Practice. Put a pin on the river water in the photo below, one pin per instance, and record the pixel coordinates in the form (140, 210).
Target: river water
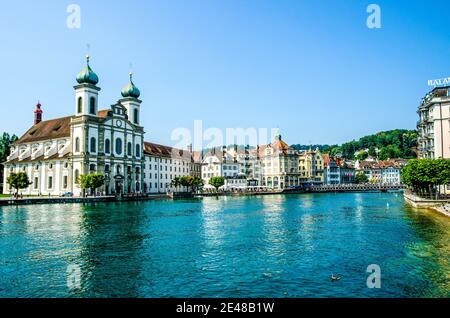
(264, 246)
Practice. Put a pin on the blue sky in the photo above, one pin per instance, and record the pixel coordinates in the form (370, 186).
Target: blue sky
(311, 68)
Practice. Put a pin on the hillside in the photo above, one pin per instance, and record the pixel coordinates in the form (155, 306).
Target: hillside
(398, 143)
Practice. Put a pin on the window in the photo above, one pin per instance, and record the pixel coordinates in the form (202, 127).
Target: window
(77, 175)
(77, 144)
(107, 168)
(119, 146)
(65, 182)
(36, 183)
(136, 116)
(107, 146)
(92, 105)
(92, 168)
(138, 151)
(50, 182)
(80, 105)
(93, 145)
(129, 150)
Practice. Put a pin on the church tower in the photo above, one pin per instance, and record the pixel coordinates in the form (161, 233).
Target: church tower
(131, 102)
(86, 92)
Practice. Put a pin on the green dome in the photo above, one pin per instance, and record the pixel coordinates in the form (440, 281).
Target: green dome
(131, 90)
(87, 76)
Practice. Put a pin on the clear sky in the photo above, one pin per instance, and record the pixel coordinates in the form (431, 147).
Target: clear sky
(311, 68)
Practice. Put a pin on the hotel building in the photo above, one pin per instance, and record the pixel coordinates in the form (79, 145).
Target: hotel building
(434, 124)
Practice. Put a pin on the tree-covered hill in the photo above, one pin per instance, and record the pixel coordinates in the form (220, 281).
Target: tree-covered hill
(398, 143)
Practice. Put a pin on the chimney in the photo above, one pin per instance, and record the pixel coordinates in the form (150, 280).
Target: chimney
(38, 114)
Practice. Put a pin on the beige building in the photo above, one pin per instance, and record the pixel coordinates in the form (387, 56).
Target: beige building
(311, 165)
(280, 165)
(434, 124)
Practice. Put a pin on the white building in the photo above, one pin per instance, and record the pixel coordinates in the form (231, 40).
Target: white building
(54, 153)
(434, 124)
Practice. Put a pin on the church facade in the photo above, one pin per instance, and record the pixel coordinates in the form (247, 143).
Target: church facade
(54, 153)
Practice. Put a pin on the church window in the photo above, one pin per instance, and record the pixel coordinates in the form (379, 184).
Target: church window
(138, 151)
(92, 105)
(119, 146)
(80, 105)
(93, 145)
(129, 150)
(136, 116)
(107, 146)
(77, 144)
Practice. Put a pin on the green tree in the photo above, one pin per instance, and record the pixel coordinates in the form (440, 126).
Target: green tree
(361, 178)
(90, 181)
(5, 145)
(217, 182)
(176, 182)
(197, 184)
(186, 181)
(362, 155)
(424, 175)
(18, 181)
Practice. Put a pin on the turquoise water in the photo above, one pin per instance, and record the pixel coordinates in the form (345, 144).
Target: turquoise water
(268, 246)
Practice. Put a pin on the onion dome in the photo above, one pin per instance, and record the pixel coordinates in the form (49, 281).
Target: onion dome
(131, 90)
(87, 76)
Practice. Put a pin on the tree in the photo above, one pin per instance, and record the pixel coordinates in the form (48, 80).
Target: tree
(91, 181)
(424, 175)
(176, 182)
(5, 145)
(197, 184)
(186, 181)
(217, 182)
(362, 155)
(361, 178)
(18, 181)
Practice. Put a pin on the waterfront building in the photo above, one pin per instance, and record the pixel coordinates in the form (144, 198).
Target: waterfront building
(382, 171)
(434, 124)
(311, 166)
(54, 153)
(347, 172)
(219, 163)
(332, 170)
(163, 164)
(279, 165)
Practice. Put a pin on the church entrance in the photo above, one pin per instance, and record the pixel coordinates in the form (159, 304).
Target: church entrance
(119, 184)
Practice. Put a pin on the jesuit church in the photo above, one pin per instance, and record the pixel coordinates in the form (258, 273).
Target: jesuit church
(54, 153)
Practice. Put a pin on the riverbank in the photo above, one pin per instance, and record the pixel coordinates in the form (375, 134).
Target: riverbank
(68, 200)
(440, 206)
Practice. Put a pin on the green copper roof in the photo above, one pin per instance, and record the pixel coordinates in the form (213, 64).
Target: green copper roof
(131, 90)
(87, 76)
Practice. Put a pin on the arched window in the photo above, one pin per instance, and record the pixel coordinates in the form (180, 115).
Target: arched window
(136, 116)
(119, 146)
(129, 150)
(80, 105)
(92, 105)
(93, 145)
(107, 146)
(138, 151)
(77, 144)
